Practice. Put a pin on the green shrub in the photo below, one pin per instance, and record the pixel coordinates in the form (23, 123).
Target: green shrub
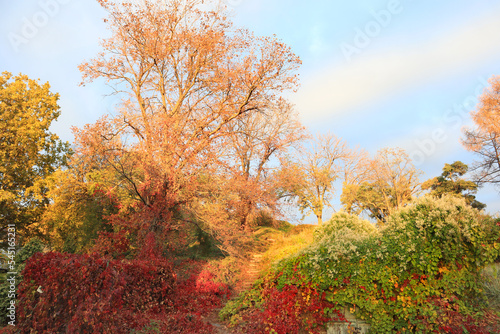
(263, 218)
(343, 224)
(419, 273)
(22, 255)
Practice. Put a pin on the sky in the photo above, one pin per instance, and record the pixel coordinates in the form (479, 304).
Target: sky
(391, 73)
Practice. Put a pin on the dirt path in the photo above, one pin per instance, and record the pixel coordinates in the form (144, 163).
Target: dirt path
(250, 274)
(213, 319)
(254, 267)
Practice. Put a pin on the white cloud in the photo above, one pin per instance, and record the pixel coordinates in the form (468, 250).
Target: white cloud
(373, 76)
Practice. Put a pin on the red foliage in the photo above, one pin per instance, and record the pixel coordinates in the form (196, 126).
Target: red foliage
(150, 248)
(454, 322)
(197, 290)
(114, 244)
(295, 308)
(82, 293)
(199, 294)
(193, 298)
(89, 294)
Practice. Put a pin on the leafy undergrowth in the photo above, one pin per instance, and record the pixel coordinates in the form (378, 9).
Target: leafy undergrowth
(255, 311)
(294, 309)
(197, 293)
(76, 293)
(420, 273)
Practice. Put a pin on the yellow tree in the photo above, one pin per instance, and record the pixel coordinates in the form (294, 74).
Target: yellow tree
(356, 172)
(484, 139)
(310, 177)
(388, 182)
(185, 75)
(79, 208)
(29, 152)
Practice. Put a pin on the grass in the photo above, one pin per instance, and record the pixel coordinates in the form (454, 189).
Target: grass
(491, 276)
(286, 244)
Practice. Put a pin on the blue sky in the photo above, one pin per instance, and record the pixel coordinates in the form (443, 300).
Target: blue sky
(376, 73)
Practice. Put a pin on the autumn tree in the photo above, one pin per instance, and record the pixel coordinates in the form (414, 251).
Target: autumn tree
(355, 169)
(390, 181)
(79, 210)
(451, 182)
(185, 75)
(29, 152)
(484, 138)
(311, 176)
(256, 142)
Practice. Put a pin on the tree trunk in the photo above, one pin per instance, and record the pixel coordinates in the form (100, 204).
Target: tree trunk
(320, 219)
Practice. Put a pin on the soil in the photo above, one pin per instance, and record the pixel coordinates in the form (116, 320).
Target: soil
(220, 327)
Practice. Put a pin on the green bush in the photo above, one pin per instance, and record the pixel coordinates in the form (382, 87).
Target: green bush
(419, 273)
(263, 218)
(22, 255)
(342, 224)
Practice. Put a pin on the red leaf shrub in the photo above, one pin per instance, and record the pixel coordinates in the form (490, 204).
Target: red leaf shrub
(94, 294)
(114, 244)
(295, 308)
(87, 293)
(199, 294)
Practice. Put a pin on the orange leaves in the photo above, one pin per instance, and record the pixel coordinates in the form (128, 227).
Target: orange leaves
(98, 142)
(487, 115)
(186, 77)
(443, 270)
(483, 139)
(189, 74)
